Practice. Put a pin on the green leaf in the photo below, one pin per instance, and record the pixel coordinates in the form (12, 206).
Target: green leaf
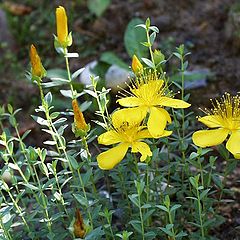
(66, 93)
(204, 193)
(168, 232)
(134, 199)
(136, 225)
(98, 7)
(133, 37)
(175, 207)
(148, 62)
(111, 58)
(83, 201)
(77, 73)
(162, 208)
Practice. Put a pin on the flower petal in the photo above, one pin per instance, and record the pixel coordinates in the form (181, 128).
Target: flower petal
(166, 133)
(143, 134)
(212, 121)
(171, 102)
(233, 143)
(109, 137)
(110, 158)
(129, 102)
(157, 121)
(132, 116)
(208, 138)
(143, 148)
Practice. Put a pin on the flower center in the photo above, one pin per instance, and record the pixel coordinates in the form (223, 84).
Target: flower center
(127, 131)
(228, 109)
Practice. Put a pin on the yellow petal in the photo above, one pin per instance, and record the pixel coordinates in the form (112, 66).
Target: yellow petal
(143, 134)
(109, 137)
(171, 102)
(233, 143)
(212, 121)
(110, 158)
(208, 138)
(157, 121)
(166, 133)
(129, 102)
(132, 116)
(143, 148)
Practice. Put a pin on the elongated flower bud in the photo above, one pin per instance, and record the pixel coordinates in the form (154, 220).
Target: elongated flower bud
(78, 226)
(62, 26)
(37, 67)
(79, 120)
(136, 65)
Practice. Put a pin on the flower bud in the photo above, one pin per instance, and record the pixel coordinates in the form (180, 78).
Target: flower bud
(78, 226)
(137, 67)
(37, 67)
(62, 27)
(79, 120)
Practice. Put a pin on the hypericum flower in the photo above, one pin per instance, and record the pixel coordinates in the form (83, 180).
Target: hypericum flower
(128, 132)
(79, 121)
(62, 27)
(148, 95)
(137, 67)
(37, 67)
(224, 118)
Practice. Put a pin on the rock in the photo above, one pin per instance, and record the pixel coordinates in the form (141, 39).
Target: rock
(196, 78)
(116, 76)
(84, 78)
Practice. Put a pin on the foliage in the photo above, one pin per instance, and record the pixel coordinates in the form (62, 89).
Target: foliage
(59, 191)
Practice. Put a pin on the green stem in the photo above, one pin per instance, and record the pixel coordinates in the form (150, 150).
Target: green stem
(5, 231)
(200, 213)
(141, 215)
(110, 226)
(86, 199)
(44, 204)
(19, 210)
(68, 72)
(171, 222)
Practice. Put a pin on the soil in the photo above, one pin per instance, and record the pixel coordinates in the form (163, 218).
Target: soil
(203, 26)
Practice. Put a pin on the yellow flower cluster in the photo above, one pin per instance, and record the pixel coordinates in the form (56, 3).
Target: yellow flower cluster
(145, 103)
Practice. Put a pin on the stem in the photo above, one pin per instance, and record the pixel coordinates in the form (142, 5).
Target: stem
(44, 204)
(110, 225)
(68, 72)
(140, 213)
(201, 171)
(171, 222)
(200, 213)
(85, 196)
(19, 210)
(6, 232)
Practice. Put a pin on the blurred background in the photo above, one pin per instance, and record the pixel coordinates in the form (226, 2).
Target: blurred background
(104, 37)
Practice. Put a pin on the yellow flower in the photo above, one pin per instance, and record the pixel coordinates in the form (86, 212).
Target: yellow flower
(79, 120)
(62, 27)
(137, 67)
(37, 67)
(147, 95)
(127, 131)
(224, 118)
